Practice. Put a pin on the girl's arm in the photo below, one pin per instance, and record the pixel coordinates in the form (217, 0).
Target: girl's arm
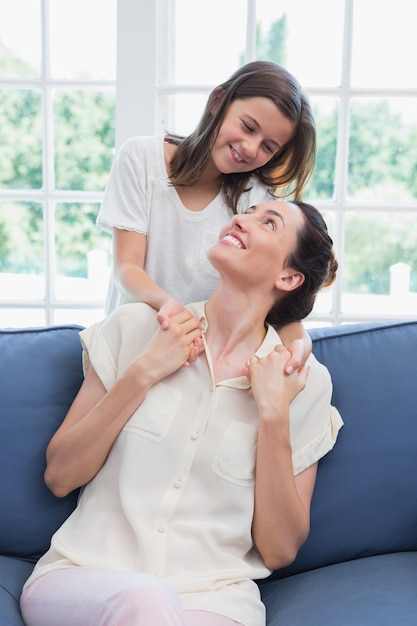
(281, 520)
(298, 343)
(129, 250)
(80, 446)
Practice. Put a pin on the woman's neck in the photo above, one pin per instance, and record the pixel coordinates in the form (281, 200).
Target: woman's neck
(236, 329)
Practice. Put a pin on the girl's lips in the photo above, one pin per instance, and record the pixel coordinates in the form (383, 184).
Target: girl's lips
(236, 156)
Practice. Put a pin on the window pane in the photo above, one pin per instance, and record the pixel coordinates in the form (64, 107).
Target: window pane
(20, 139)
(324, 297)
(20, 38)
(83, 317)
(326, 112)
(83, 39)
(210, 39)
(82, 253)
(384, 44)
(286, 35)
(18, 318)
(380, 263)
(383, 150)
(21, 251)
(184, 112)
(84, 138)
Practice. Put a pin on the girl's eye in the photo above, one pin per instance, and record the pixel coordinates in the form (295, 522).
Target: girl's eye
(268, 148)
(270, 223)
(247, 126)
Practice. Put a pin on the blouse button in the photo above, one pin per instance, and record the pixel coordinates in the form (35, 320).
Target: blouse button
(161, 529)
(194, 435)
(178, 483)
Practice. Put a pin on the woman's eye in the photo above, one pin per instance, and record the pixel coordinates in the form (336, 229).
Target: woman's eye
(270, 223)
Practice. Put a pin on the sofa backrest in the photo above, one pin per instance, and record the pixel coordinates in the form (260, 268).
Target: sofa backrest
(40, 374)
(365, 500)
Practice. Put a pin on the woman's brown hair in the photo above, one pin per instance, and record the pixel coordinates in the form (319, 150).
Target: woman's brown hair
(314, 257)
(288, 171)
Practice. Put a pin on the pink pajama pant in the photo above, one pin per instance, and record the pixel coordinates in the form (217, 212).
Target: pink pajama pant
(81, 597)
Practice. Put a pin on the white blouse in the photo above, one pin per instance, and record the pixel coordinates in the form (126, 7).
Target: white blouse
(176, 495)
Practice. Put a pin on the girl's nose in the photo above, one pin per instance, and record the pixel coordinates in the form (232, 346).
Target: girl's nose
(251, 146)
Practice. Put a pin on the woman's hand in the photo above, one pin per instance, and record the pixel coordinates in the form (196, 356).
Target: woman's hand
(271, 386)
(170, 308)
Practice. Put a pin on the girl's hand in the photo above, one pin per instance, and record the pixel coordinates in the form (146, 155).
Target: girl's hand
(272, 388)
(298, 342)
(299, 351)
(170, 308)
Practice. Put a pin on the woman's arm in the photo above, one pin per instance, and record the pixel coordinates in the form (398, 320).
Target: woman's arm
(298, 343)
(80, 446)
(281, 520)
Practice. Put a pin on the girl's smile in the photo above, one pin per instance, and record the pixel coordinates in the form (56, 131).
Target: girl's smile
(252, 132)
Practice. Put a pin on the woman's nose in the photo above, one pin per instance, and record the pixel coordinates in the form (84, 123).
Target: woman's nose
(239, 221)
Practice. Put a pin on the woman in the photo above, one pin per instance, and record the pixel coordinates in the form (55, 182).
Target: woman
(198, 480)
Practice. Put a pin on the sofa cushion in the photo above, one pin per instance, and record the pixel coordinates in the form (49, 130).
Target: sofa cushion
(40, 373)
(13, 574)
(376, 591)
(365, 501)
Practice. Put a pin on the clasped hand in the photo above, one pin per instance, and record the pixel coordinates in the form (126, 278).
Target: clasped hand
(167, 314)
(271, 387)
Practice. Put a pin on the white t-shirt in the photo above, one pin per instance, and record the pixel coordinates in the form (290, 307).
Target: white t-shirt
(175, 496)
(138, 197)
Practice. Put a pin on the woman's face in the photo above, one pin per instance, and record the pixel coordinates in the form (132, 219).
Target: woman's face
(255, 246)
(251, 133)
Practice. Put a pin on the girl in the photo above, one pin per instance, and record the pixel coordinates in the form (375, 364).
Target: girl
(197, 480)
(168, 197)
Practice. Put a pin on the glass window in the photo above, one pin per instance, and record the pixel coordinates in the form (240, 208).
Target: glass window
(59, 126)
(296, 34)
(383, 44)
(20, 39)
(380, 263)
(383, 150)
(82, 37)
(21, 138)
(57, 138)
(209, 40)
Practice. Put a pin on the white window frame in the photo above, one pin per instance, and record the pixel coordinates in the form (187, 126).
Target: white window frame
(145, 49)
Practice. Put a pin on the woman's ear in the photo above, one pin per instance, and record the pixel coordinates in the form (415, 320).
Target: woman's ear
(215, 99)
(290, 280)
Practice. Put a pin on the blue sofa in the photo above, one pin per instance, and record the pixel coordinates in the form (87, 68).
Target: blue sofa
(359, 564)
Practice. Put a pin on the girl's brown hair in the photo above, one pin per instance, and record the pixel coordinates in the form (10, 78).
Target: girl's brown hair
(288, 171)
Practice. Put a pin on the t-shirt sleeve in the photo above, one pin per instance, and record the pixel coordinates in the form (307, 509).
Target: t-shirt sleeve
(124, 203)
(314, 422)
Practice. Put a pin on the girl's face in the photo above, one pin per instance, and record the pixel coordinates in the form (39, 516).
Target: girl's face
(252, 132)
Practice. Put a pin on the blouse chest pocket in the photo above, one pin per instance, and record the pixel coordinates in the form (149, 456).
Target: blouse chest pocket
(154, 417)
(235, 457)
